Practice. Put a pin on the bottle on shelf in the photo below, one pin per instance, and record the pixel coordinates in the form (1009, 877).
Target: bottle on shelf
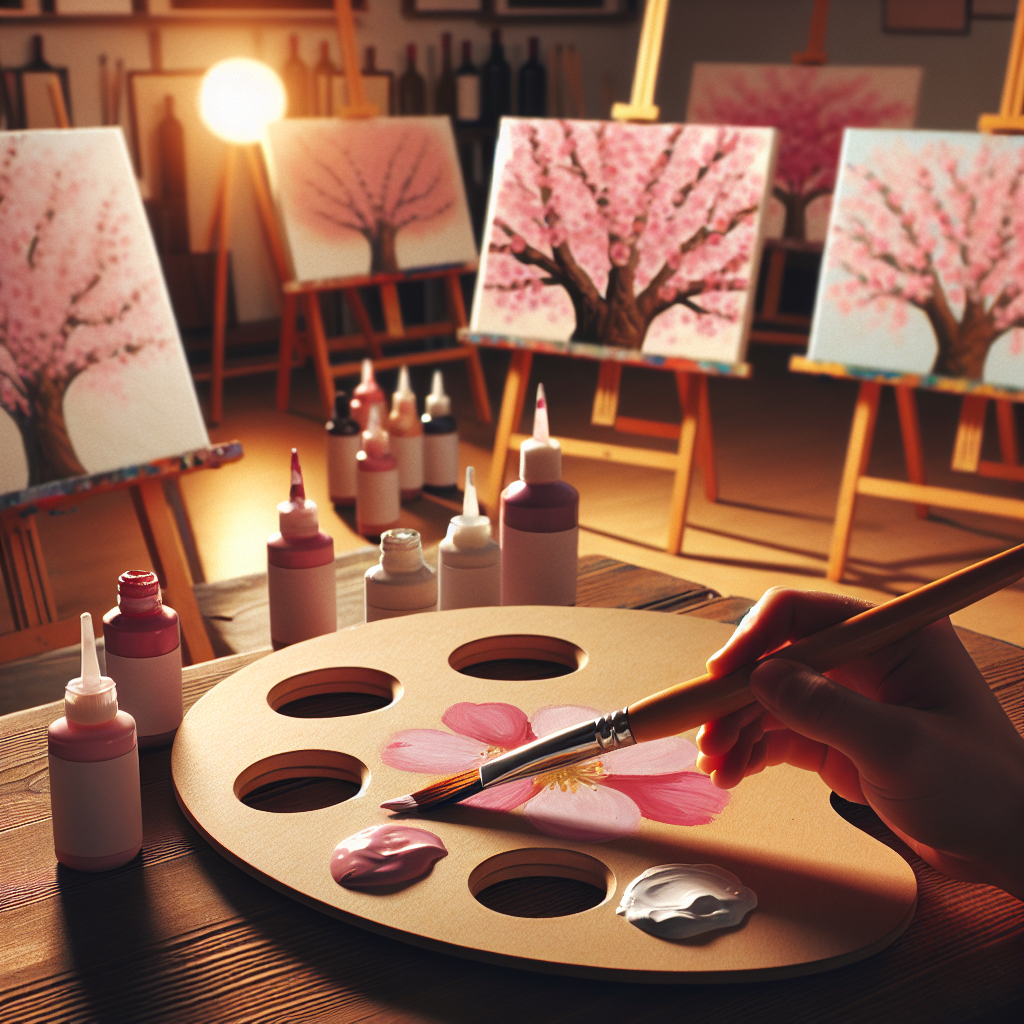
(444, 90)
(539, 523)
(468, 559)
(295, 76)
(95, 796)
(323, 82)
(495, 84)
(343, 443)
(412, 88)
(370, 68)
(467, 88)
(402, 583)
(143, 652)
(533, 84)
(367, 393)
(440, 441)
(406, 432)
(378, 501)
(300, 570)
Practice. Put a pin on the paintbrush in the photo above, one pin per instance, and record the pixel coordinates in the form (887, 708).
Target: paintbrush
(704, 699)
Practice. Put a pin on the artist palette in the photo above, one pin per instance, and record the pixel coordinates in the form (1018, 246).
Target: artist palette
(828, 894)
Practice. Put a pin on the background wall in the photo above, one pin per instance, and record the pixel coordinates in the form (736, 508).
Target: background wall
(963, 74)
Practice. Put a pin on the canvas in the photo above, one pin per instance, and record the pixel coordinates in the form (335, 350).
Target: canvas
(374, 196)
(641, 237)
(925, 256)
(92, 372)
(810, 106)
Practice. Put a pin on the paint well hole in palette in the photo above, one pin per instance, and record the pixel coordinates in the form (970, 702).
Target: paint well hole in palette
(334, 693)
(541, 883)
(301, 780)
(518, 657)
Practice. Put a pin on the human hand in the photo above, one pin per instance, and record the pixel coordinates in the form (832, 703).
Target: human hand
(913, 730)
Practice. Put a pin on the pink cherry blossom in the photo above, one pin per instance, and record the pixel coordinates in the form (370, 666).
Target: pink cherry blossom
(592, 802)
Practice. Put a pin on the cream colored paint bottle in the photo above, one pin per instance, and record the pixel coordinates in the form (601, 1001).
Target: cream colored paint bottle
(468, 559)
(402, 583)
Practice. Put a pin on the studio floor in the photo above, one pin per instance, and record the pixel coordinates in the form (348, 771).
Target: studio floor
(780, 440)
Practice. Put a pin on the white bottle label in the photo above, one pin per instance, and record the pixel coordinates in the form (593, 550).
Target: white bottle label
(538, 568)
(302, 603)
(149, 689)
(378, 501)
(468, 588)
(96, 805)
(441, 459)
(467, 97)
(341, 466)
(408, 452)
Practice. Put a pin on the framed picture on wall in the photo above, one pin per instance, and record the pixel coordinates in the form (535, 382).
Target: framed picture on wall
(1005, 9)
(414, 8)
(927, 16)
(562, 8)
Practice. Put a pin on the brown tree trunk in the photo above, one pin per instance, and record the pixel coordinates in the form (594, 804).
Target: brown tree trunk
(614, 320)
(962, 346)
(796, 214)
(382, 249)
(51, 455)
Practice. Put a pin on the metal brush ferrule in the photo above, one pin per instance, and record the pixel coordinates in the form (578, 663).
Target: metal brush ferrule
(568, 746)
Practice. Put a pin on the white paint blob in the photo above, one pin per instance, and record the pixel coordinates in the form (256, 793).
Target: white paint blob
(677, 901)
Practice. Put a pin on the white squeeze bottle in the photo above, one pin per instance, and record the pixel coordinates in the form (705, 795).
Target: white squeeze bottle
(539, 523)
(469, 560)
(402, 583)
(406, 432)
(440, 440)
(95, 798)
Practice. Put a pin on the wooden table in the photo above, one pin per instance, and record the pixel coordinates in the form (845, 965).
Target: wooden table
(182, 935)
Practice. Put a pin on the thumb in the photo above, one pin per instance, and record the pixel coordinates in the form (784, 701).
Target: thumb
(865, 730)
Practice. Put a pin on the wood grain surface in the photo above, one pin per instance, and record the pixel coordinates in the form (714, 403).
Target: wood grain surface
(181, 935)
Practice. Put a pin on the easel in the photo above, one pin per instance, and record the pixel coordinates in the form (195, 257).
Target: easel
(38, 627)
(316, 343)
(771, 325)
(970, 430)
(694, 433)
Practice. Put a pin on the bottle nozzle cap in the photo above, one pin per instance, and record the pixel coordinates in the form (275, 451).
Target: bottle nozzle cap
(470, 530)
(90, 698)
(438, 403)
(540, 456)
(366, 372)
(297, 517)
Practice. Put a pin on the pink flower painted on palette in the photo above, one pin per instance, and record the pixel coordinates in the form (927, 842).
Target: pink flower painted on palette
(592, 802)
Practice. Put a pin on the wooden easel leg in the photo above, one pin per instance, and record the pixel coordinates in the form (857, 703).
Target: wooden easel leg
(606, 394)
(362, 319)
(913, 451)
(689, 392)
(220, 294)
(1007, 422)
(394, 325)
(862, 433)
(168, 555)
(508, 419)
(706, 443)
(285, 350)
(24, 569)
(970, 433)
(321, 358)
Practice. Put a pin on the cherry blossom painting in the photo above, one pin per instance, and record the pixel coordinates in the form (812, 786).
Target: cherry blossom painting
(92, 372)
(636, 236)
(373, 196)
(810, 106)
(592, 802)
(924, 261)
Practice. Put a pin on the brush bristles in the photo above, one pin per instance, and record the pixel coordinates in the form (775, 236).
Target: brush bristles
(447, 791)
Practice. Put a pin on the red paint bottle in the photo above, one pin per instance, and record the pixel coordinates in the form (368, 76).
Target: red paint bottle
(367, 394)
(143, 650)
(300, 570)
(378, 491)
(539, 523)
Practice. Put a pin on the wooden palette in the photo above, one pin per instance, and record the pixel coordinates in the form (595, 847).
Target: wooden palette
(828, 894)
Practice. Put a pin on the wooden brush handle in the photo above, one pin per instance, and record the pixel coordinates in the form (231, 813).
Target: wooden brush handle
(704, 699)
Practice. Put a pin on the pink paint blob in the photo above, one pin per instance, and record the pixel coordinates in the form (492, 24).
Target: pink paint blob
(383, 856)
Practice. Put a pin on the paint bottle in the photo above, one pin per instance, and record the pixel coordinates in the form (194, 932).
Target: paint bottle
(469, 560)
(95, 798)
(378, 504)
(367, 394)
(539, 523)
(300, 570)
(143, 647)
(440, 441)
(406, 433)
(343, 444)
(402, 583)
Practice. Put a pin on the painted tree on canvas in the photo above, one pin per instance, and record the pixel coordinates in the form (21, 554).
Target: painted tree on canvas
(71, 297)
(628, 221)
(375, 179)
(811, 111)
(941, 231)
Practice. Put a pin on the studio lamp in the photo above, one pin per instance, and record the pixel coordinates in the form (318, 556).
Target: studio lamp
(238, 99)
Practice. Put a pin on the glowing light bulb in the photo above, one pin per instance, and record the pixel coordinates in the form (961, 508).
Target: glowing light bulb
(239, 98)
